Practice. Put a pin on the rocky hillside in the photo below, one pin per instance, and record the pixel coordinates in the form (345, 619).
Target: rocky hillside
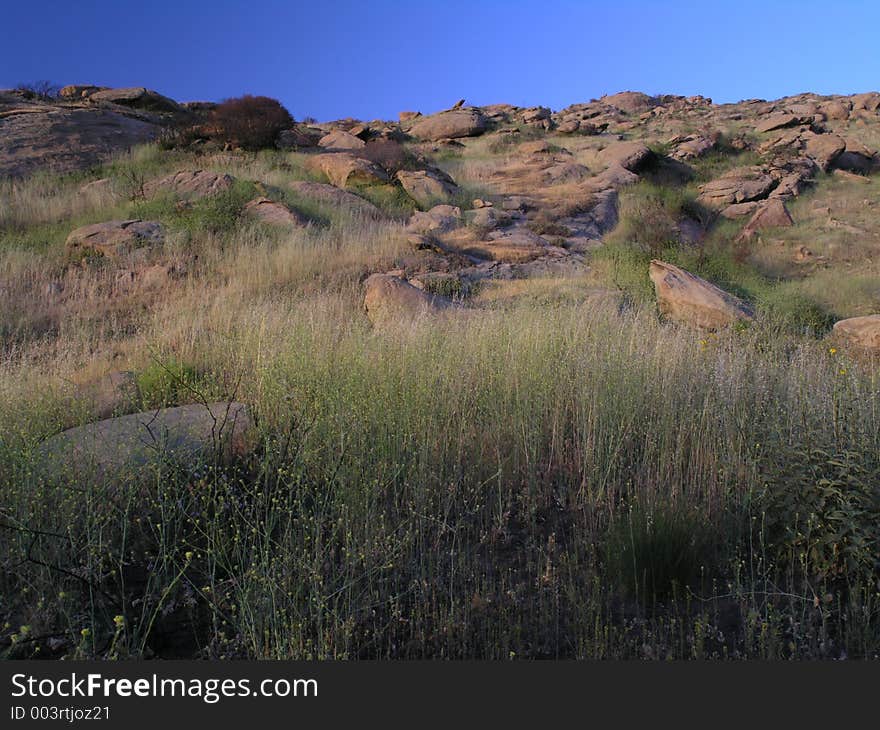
(486, 382)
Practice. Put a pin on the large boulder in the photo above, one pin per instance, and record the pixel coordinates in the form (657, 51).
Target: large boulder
(273, 213)
(119, 448)
(136, 97)
(824, 149)
(630, 102)
(389, 298)
(439, 219)
(343, 169)
(868, 102)
(630, 156)
(297, 137)
(427, 187)
(190, 183)
(114, 238)
(769, 214)
(330, 195)
(452, 124)
(863, 332)
(686, 298)
(836, 109)
(740, 185)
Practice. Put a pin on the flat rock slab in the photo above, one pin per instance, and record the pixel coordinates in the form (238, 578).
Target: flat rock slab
(119, 448)
(686, 298)
(65, 139)
(115, 238)
(325, 194)
(190, 183)
(137, 97)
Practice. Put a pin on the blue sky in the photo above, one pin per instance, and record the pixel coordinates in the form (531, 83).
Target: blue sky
(372, 58)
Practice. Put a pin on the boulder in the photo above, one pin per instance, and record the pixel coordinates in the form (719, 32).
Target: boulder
(136, 97)
(770, 214)
(341, 141)
(298, 137)
(408, 116)
(114, 238)
(686, 298)
(452, 124)
(120, 448)
(274, 214)
(778, 120)
(739, 185)
(343, 169)
(630, 156)
(739, 210)
(693, 146)
(190, 184)
(74, 92)
(863, 332)
(630, 102)
(330, 195)
(837, 109)
(439, 219)
(427, 187)
(869, 101)
(824, 149)
(389, 298)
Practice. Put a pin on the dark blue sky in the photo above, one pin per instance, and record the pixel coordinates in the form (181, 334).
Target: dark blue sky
(373, 58)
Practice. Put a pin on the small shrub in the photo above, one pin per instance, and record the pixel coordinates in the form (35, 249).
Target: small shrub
(390, 155)
(249, 122)
(39, 89)
(170, 383)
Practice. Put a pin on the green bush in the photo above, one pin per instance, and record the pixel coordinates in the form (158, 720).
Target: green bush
(170, 383)
(821, 512)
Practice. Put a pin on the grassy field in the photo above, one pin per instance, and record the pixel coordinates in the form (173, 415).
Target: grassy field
(562, 476)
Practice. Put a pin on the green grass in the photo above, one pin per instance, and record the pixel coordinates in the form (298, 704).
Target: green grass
(414, 499)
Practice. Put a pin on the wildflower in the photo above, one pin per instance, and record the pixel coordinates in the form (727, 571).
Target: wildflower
(85, 633)
(832, 350)
(188, 555)
(119, 621)
(843, 371)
